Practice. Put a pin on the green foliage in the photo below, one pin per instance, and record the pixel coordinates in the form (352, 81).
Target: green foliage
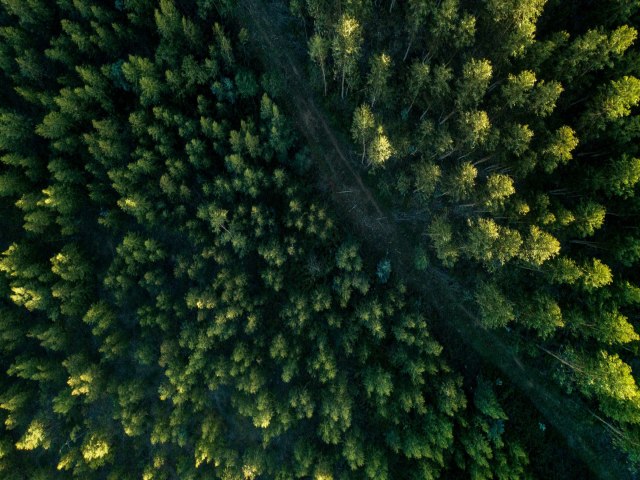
(441, 234)
(177, 303)
(462, 181)
(517, 90)
(499, 188)
(363, 127)
(378, 78)
(319, 53)
(542, 314)
(346, 47)
(427, 177)
(621, 177)
(560, 148)
(514, 126)
(383, 270)
(539, 246)
(609, 379)
(495, 309)
(380, 148)
(474, 82)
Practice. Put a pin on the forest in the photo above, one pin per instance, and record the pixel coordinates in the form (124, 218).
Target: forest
(319, 239)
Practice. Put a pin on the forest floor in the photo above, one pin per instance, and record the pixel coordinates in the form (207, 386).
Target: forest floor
(340, 177)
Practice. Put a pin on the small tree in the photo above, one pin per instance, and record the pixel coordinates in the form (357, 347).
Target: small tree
(427, 176)
(545, 96)
(613, 102)
(381, 149)
(346, 49)
(461, 182)
(363, 127)
(589, 217)
(507, 245)
(474, 128)
(417, 11)
(481, 236)
(516, 139)
(377, 81)
(514, 23)
(418, 80)
(495, 309)
(441, 234)
(517, 89)
(621, 178)
(559, 149)
(539, 246)
(473, 85)
(383, 270)
(499, 187)
(595, 274)
(319, 51)
(540, 313)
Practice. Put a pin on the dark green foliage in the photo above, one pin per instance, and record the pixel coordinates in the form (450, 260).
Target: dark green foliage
(174, 301)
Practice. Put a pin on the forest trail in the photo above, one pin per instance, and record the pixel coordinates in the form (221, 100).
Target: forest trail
(373, 224)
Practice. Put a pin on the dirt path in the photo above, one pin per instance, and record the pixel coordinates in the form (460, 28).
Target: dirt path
(268, 25)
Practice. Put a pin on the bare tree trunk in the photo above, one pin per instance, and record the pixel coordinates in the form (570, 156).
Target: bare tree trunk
(447, 117)
(324, 79)
(442, 157)
(494, 85)
(407, 51)
(342, 87)
(587, 244)
(482, 160)
(580, 100)
(561, 360)
(413, 101)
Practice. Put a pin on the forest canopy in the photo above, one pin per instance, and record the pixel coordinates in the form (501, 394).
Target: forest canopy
(513, 134)
(182, 296)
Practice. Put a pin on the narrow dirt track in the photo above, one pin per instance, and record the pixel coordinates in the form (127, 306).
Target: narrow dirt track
(375, 227)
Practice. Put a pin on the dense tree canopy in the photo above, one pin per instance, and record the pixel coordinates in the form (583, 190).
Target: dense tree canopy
(515, 135)
(177, 300)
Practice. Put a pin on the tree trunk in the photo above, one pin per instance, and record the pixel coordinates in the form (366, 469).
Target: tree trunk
(561, 360)
(324, 79)
(482, 160)
(407, 51)
(447, 117)
(342, 86)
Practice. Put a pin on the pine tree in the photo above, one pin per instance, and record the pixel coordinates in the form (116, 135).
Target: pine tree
(346, 47)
